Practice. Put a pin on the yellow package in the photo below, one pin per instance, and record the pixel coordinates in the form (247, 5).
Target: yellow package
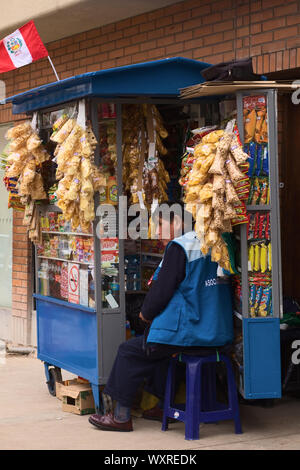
(251, 258)
(18, 130)
(40, 154)
(87, 186)
(86, 168)
(213, 137)
(206, 192)
(192, 193)
(204, 150)
(256, 258)
(71, 167)
(270, 257)
(19, 141)
(85, 146)
(73, 192)
(263, 258)
(33, 142)
(60, 136)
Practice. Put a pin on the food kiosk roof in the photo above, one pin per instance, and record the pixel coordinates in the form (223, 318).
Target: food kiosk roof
(160, 78)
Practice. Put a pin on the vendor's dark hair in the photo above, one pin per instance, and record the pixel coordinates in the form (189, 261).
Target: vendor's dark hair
(174, 208)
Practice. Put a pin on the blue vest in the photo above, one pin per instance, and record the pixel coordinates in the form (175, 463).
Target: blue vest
(200, 312)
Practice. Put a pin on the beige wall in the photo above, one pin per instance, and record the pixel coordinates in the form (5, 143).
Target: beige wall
(57, 19)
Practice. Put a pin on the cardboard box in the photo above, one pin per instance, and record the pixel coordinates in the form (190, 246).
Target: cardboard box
(76, 397)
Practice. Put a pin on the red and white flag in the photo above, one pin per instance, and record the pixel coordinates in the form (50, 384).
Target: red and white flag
(21, 48)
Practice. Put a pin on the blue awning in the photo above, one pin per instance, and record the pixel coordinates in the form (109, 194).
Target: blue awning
(160, 78)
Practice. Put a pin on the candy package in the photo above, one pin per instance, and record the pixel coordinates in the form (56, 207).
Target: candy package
(249, 125)
(60, 136)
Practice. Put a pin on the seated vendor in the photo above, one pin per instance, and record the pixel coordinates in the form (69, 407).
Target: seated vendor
(187, 307)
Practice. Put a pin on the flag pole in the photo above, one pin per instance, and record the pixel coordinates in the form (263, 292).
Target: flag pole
(51, 63)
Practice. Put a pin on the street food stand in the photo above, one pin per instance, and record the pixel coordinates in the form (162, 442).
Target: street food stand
(80, 330)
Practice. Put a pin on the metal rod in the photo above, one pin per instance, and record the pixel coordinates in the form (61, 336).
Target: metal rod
(53, 68)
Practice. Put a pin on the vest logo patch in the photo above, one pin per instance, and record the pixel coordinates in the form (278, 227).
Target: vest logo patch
(216, 281)
(210, 282)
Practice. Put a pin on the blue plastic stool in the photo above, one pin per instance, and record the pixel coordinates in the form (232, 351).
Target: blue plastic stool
(201, 400)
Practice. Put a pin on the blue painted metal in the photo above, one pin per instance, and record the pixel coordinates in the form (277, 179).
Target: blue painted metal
(262, 369)
(159, 78)
(67, 337)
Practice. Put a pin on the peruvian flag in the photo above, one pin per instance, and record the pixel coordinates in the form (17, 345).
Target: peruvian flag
(21, 48)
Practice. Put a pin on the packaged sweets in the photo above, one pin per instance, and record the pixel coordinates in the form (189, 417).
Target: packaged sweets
(265, 302)
(263, 258)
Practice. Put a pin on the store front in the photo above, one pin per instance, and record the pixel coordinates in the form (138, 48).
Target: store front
(89, 288)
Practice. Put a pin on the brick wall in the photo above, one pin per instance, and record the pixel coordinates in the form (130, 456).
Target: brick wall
(21, 280)
(210, 31)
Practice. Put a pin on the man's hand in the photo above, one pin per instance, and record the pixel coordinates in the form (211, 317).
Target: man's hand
(143, 319)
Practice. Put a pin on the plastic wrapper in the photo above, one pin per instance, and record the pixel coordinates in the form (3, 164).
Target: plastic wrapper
(229, 212)
(237, 152)
(60, 122)
(85, 146)
(60, 136)
(249, 125)
(73, 192)
(192, 193)
(224, 143)
(264, 130)
(204, 150)
(231, 195)
(218, 165)
(37, 188)
(213, 137)
(206, 192)
(260, 117)
(40, 154)
(33, 142)
(87, 187)
(18, 130)
(211, 237)
(218, 201)
(19, 141)
(218, 220)
(218, 183)
(72, 166)
(235, 173)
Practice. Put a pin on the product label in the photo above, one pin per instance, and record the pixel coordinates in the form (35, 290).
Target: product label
(113, 193)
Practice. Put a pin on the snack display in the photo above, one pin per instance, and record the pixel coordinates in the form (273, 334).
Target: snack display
(145, 178)
(77, 174)
(256, 146)
(216, 188)
(25, 155)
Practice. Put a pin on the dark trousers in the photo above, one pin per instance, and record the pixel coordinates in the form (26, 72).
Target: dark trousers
(134, 364)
